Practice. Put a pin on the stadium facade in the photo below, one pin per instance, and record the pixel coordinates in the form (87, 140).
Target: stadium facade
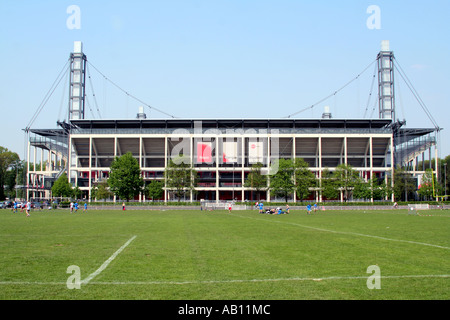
(222, 151)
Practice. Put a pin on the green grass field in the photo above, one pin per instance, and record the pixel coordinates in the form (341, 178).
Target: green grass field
(191, 255)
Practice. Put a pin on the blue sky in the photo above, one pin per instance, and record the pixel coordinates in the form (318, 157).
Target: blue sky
(222, 58)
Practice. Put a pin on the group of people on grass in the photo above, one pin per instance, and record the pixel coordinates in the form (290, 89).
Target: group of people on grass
(310, 208)
(278, 210)
(25, 206)
(74, 207)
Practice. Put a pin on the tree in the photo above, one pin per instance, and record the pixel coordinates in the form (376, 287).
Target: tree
(154, 189)
(446, 172)
(256, 180)
(281, 182)
(180, 177)
(304, 179)
(372, 189)
(17, 175)
(379, 189)
(125, 177)
(76, 192)
(362, 190)
(427, 185)
(387, 188)
(329, 185)
(346, 178)
(62, 187)
(7, 160)
(404, 184)
(101, 191)
(14, 176)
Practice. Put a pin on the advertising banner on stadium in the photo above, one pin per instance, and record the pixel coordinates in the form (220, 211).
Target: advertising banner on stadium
(230, 152)
(255, 151)
(204, 152)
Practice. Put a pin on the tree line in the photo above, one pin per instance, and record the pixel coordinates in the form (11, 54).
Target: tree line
(292, 176)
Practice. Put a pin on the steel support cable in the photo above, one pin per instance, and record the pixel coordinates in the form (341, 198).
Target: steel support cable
(89, 106)
(128, 94)
(371, 90)
(93, 93)
(48, 95)
(421, 103)
(398, 93)
(63, 95)
(334, 93)
(374, 106)
(415, 94)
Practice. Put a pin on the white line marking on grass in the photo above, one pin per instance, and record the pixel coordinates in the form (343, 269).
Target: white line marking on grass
(26, 283)
(261, 280)
(344, 232)
(226, 281)
(107, 262)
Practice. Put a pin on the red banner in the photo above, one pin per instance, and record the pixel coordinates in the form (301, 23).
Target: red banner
(204, 153)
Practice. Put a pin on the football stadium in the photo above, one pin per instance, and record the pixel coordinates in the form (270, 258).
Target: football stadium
(223, 151)
(152, 249)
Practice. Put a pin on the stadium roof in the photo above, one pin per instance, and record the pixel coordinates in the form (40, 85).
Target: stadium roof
(233, 123)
